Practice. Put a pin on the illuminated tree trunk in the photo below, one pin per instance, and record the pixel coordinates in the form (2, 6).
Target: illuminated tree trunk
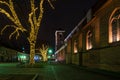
(32, 53)
(44, 57)
(32, 40)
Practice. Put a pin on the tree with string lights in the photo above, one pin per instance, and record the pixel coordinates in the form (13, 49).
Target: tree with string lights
(34, 19)
(43, 52)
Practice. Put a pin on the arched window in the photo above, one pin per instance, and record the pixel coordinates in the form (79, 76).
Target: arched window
(114, 26)
(75, 46)
(89, 40)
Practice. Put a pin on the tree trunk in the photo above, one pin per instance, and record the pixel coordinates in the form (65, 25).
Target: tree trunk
(32, 53)
(44, 57)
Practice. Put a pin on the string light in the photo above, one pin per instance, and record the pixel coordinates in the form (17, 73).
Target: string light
(43, 52)
(33, 21)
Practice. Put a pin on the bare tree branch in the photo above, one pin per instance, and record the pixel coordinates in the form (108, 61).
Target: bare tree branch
(14, 18)
(41, 13)
(12, 34)
(7, 14)
(16, 31)
(3, 2)
(30, 20)
(33, 9)
(51, 4)
(17, 21)
(7, 27)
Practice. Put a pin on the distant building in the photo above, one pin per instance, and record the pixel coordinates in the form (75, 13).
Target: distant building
(59, 39)
(59, 42)
(8, 55)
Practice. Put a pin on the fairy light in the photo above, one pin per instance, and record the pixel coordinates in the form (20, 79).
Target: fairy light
(13, 17)
(33, 21)
(43, 52)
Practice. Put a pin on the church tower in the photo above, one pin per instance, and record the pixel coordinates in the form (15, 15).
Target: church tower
(59, 39)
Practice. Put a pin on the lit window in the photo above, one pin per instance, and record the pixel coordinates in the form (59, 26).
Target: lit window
(89, 40)
(75, 47)
(114, 31)
(114, 27)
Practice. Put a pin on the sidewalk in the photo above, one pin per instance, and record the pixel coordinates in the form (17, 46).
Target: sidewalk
(73, 72)
(55, 72)
(98, 71)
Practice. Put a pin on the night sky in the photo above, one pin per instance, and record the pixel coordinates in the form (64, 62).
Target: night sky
(66, 16)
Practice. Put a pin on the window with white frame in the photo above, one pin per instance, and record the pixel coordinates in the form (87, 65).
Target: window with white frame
(89, 40)
(114, 26)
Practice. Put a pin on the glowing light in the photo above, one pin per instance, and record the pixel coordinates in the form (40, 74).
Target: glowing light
(34, 22)
(75, 51)
(89, 40)
(115, 17)
(22, 57)
(43, 52)
(49, 56)
(75, 47)
(36, 57)
(53, 55)
(56, 60)
(50, 51)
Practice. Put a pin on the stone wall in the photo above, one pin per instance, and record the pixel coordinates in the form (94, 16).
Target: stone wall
(103, 55)
(107, 58)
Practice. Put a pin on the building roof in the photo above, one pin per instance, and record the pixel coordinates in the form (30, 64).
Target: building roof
(83, 22)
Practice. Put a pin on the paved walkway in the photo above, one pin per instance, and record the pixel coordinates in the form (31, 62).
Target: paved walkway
(50, 72)
(63, 72)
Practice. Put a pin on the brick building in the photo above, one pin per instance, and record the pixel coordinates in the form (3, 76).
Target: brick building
(95, 41)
